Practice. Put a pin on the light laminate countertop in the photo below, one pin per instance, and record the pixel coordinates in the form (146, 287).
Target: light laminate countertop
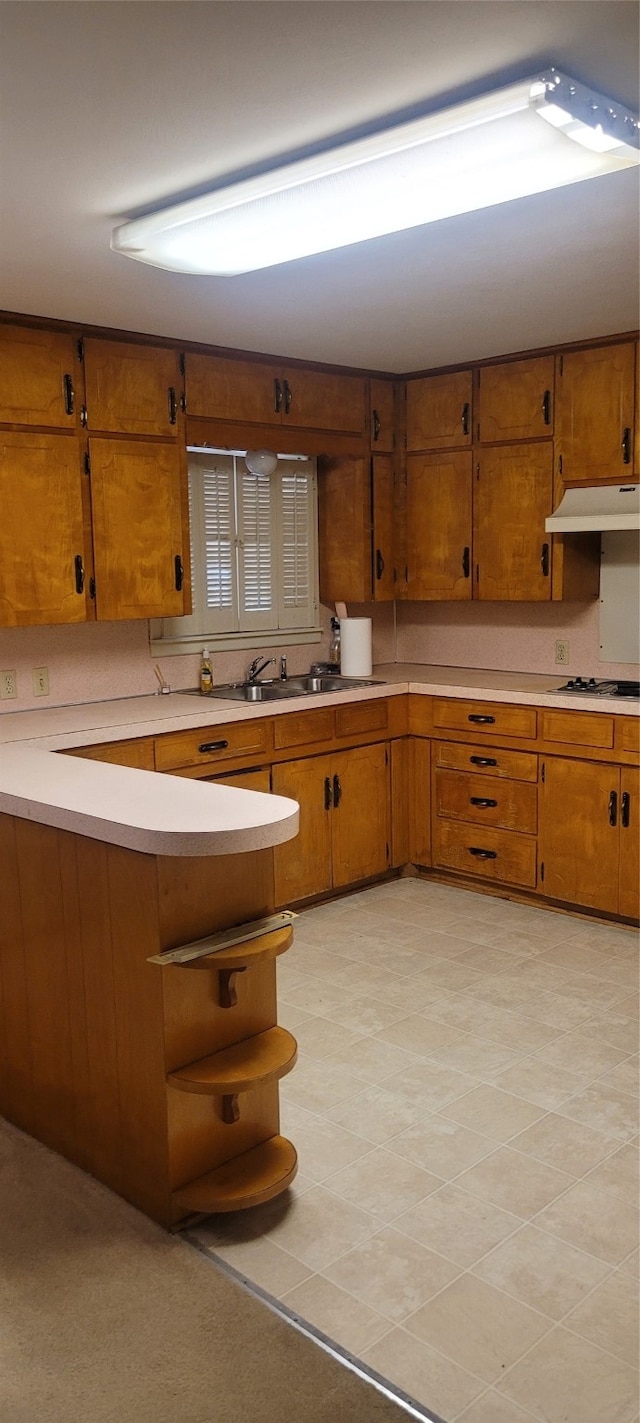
(157, 814)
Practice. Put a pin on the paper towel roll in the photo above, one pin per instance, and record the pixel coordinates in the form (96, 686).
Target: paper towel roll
(355, 647)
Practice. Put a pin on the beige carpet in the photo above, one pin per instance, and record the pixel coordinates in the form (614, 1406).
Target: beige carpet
(104, 1318)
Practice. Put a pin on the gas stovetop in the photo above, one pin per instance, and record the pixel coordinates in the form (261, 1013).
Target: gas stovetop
(590, 687)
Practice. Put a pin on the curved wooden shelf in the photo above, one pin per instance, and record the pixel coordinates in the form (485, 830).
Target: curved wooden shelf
(250, 1063)
(248, 1180)
(254, 951)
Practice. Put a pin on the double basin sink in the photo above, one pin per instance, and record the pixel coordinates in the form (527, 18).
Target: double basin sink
(290, 687)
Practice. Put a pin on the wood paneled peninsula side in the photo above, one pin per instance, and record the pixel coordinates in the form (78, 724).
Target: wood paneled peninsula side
(160, 1080)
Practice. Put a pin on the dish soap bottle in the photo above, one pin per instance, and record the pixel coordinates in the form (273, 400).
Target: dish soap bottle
(206, 672)
(334, 646)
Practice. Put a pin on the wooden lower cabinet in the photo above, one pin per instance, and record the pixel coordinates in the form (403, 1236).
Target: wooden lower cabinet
(589, 835)
(344, 832)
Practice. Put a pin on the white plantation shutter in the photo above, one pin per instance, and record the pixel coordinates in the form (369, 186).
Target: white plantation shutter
(254, 552)
(256, 495)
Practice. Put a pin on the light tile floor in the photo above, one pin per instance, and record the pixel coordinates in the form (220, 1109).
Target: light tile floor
(465, 1112)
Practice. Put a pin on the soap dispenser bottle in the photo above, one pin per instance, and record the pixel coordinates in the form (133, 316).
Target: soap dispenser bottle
(206, 673)
(334, 646)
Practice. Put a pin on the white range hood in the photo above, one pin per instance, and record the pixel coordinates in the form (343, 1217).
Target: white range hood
(596, 509)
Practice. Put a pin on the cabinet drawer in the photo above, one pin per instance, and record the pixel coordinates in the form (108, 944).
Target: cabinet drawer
(628, 734)
(487, 718)
(212, 744)
(486, 760)
(578, 728)
(484, 800)
(486, 853)
(303, 728)
(138, 754)
(360, 717)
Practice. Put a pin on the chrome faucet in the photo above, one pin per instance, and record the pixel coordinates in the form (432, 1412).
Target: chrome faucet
(257, 666)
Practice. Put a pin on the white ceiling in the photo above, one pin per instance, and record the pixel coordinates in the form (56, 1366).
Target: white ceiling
(111, 106)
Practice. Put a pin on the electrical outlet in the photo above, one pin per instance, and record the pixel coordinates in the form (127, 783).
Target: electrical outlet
(562, 652)
(8, 685)
(40, 678)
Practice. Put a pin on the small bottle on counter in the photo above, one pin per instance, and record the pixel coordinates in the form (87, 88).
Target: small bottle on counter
(334, 646)
(206, 672)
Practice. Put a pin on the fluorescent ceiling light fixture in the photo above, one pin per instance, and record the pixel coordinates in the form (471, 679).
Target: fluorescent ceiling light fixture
(472, 155)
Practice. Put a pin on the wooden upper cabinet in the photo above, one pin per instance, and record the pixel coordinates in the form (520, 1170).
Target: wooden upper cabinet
(40, 378)
(323, 401)
(43, 572)
(382, 416)
(439, 412)
(140, 529)
(383, 550)
(438, 526)
(595, 413)
(131, 390)
(356, 528)
(515, 400)
(262, 393)
(513, 492)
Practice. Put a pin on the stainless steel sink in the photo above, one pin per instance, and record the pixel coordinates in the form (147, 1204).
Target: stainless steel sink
(278, 690)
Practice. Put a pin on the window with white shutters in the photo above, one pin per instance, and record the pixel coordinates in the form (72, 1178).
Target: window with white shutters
(253, 553)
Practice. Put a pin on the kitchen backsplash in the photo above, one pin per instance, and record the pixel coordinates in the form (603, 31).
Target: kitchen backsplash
(97, 662)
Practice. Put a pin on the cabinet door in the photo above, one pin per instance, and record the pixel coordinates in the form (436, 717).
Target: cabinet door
(344, 529)
(140, 541)
(223, 389)
(382, 415)
(512, 497)
(42, 542)
(319, 400)
(629, 888)
(515, 400)
(131, 390)
(579, 832)
(439, 526)
(302, 866)
(594, 413)
(439, 412)
(382, 491)
(38, 380)
(360, 819)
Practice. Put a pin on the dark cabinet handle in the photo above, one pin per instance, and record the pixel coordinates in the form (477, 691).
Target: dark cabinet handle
(337, 791)
(481, 720)
(212, 746)
(287, 396)
(482, 854)
(79, 568)
(466, 561)
(178, 569)
(376, 425)
(613, 808)
(625, 810)
(173, 405)
(69, 394)
(277, 396)
(544, 560)
(379, 564)
(466, 418)
(328, 793)
(482, 761)
(626, 446)
(482, 802)
(546, 407)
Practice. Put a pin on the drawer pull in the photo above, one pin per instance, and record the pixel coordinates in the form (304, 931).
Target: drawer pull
(482, 854)
(482, 802)
(337, 791)
(625, 814)
(481, 720)
(613, 808)
(482, 761)
(212, 746)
